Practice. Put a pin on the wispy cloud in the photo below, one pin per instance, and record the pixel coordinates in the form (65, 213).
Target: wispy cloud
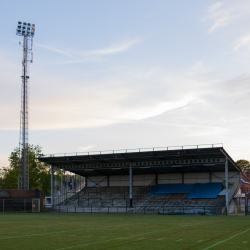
(89, 59)
(157, 110)
(53, 49)
(113, 49)
(85, 148)
(233, 17)
(243, 42)
(81, 56)
(222, 13)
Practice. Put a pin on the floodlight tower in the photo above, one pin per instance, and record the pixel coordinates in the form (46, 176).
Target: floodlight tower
(27, 31)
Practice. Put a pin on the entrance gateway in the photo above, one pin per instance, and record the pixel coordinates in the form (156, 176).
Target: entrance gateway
(141, 168)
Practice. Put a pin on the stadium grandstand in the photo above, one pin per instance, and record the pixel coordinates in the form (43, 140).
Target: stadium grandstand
(200, 179)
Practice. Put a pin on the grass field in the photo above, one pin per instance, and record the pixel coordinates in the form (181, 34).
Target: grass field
(80, 231)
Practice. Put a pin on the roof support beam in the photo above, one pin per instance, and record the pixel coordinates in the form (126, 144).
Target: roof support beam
(130, 185)
(226, 180)
(52, 186)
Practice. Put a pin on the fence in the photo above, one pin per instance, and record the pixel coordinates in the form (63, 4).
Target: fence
(234, 189)
(16, 205)
(247, 210)
(25, 205)
(237, 210)
(162, 210)
(65, 185)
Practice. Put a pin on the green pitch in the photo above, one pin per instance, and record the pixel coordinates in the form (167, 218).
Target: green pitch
(79, 231)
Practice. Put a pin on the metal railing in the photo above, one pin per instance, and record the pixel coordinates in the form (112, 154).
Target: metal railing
(161, 210)
(66, 195)
(234, 189)
(25, 206)
(143, 192)
(15, 205)
(135, 150)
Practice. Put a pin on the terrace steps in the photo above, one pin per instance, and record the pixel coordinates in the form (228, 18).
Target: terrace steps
(119, 196)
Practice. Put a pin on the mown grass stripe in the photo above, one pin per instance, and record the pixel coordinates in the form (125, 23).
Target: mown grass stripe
(226, 239)
(81, 229)
(214, 239)
(156, 236)
(104, 241)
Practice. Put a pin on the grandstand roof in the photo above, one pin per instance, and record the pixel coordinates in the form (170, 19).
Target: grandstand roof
(180, 160)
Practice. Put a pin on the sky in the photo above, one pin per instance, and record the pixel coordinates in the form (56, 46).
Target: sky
(128, 74)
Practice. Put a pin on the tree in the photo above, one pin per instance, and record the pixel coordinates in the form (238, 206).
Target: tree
(39, 173)
(243, 164)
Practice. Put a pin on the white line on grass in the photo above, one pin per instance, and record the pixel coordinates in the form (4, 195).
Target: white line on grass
(226, 239)
(40, 226)
(179, 240)
(123, 238)
(86, 229)
(27, 235)
(58, 233)
(55, 233)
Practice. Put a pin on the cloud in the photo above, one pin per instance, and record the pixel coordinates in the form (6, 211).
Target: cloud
(86, 60)
(196, 101)
(80, 56)
(222, 13)
(123, 96)
(117, 97)
(233, 16)
(54, 49)
(144, 113)
(113, 49)
(107, 98)
(85, 148)
(243, 43)
(219, 15)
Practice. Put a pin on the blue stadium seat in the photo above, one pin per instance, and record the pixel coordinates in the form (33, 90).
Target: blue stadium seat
(198, 190)
(206, 190)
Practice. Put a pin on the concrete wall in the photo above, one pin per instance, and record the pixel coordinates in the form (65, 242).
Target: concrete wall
(220, 176)
(145, 180)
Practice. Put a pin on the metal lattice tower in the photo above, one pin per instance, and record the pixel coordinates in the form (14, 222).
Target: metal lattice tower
(27, 31)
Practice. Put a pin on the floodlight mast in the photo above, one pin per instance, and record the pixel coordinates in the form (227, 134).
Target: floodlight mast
(27, 31)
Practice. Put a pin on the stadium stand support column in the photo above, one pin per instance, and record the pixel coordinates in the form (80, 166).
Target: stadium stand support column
(61, 191)
(226, 180)
(156, 179)
(52, 185)
(182, 178)
(240, 179)
(130, 185)
(107, 180)
(210, 177)
(86, 182)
